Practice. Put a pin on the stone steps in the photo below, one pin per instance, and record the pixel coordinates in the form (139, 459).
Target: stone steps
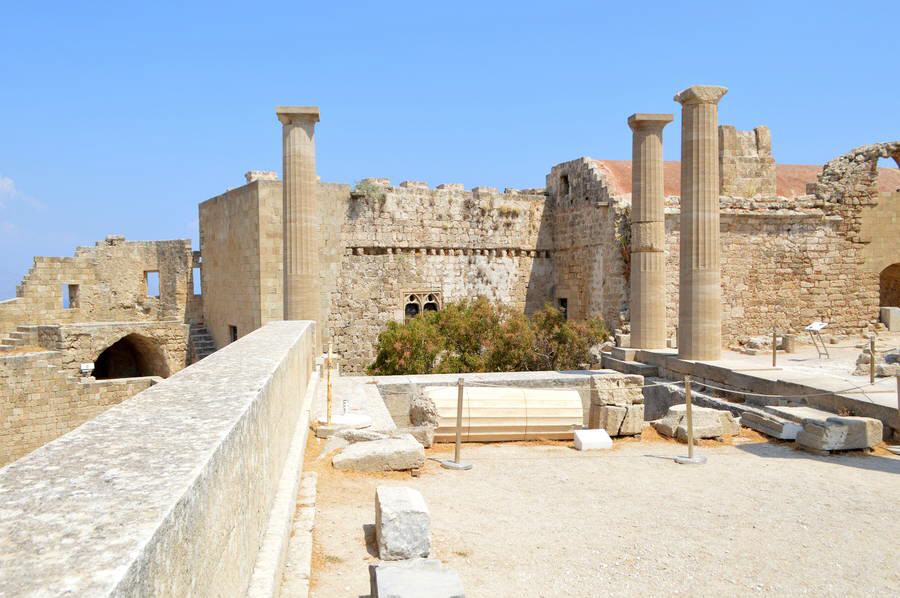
(628, 367)
(201, 342)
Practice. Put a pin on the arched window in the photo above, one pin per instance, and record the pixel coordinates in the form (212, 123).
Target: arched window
(416, 303)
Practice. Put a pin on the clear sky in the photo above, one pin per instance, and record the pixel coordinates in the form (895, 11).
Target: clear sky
(120, 117)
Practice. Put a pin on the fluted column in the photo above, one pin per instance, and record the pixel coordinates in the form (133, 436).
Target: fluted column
(648, 234)
(699, 284)
(301, 216)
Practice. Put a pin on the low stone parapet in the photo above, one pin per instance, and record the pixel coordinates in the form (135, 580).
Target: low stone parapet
(167, 493)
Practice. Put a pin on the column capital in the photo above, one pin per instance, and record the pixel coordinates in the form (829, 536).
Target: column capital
(293, 114)
(641, 120)
(701, 94)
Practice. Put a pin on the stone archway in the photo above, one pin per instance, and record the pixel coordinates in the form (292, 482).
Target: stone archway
(889, 285)
(131, 356)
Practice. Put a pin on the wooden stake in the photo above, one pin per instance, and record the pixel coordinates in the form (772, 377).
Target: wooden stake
(872, 360)
(690, 416)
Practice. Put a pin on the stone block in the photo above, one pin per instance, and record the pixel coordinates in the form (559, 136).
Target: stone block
(708, 423)
(416, 578)
(586, 440)
(424, 434)
(611, 418)
(621, 390)
(633, 423)
(840, 433)
(402, 523)
(389, 454)
(352, 435)
(771, 425)
(890, 316)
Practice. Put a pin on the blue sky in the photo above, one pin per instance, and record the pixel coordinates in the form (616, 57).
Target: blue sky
(121, 117)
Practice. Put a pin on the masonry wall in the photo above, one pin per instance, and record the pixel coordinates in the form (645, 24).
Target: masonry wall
(590, 241)
(111, 285)
(41, 401)
(784, 263)
(880, 231)
(186, 473)
(459, 244)
(230, 244)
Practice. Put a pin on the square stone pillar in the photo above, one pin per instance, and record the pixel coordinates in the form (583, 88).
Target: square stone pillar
(699, 281)
(648, 232)
(302, 299)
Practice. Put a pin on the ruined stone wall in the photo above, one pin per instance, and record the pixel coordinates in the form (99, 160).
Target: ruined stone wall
(40, 400)
(460, 244)
(746, 165)
(590, 242)
(880, 232)
(110, 279)
(785, 263)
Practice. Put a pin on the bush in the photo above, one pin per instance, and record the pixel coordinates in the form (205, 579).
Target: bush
(478, 336)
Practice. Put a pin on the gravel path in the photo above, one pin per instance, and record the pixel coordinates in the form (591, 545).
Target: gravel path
(545, 520)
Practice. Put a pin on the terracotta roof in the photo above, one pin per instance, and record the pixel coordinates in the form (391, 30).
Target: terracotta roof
(790, 179)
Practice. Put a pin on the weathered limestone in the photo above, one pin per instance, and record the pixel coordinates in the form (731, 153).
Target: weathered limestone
(402, 523)
(840, 434)
(648, 243)
(416, 578)
(771, 425)
(700, 292)
(890, 317)
(617, 404)
(301, 215)
(708, 423)
(389, 454)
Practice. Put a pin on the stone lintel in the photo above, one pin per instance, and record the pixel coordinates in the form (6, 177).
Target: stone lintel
(640, 120)
(701, 94)
(291, 114)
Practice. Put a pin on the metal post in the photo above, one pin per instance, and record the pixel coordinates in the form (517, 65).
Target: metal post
(774, 347)
(872, 360)
(456, 463)
(328, 374)
(689, 416)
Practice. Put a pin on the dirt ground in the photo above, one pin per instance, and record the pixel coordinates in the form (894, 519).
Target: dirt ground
(546, 520)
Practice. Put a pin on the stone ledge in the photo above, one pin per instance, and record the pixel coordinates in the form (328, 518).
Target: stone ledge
(181, 480)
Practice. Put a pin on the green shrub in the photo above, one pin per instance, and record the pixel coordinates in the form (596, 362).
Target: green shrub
(478, 336)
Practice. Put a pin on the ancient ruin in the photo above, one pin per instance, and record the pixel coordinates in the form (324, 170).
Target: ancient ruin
(170, 413)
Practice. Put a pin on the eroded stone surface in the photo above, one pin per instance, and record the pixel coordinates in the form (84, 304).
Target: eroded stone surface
(417, 578)
(402, 523)
(389, 454)
(708, 423)
(840, 433)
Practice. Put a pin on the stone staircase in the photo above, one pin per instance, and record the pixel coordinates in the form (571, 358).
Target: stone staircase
(22, 337)
(200, 343)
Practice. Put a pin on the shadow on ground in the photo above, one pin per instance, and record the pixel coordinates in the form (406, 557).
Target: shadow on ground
(858, 460)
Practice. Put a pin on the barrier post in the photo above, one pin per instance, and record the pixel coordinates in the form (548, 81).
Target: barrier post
(872, 360)
(328, 374)
(456, 463)
(774, 347)
(689, 417)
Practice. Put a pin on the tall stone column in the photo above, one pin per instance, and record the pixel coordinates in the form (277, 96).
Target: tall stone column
(699, 286)
(648, 234)
(302, 300)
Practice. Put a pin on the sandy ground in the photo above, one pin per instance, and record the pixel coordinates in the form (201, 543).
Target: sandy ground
(546, 520)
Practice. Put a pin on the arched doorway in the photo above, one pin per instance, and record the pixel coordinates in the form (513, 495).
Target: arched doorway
(889, 283)
(131, 356)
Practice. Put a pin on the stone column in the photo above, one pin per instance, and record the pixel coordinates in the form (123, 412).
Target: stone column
(302, 299)
(648, 234)
(699, 288)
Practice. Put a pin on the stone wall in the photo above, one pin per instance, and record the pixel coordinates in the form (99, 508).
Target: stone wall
(108, 282)
(785, 263)
(880, 232)
(590, 236)
(746, 165)
(456, 243)
(41, 401)
(186, 473)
